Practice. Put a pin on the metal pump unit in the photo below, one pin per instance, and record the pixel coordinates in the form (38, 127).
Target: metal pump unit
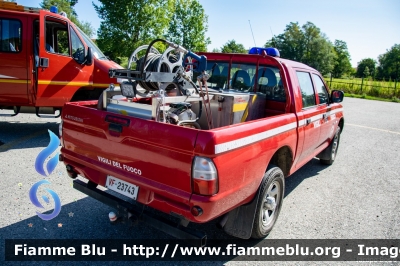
(164, 78)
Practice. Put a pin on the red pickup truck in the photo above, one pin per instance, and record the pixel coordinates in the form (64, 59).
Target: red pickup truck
(220, 151)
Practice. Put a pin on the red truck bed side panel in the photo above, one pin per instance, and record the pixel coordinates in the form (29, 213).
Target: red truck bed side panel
(164, 163)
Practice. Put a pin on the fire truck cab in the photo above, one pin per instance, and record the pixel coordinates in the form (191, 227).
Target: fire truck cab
(46, 60)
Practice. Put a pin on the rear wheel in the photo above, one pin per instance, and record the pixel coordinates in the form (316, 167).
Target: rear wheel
(269, 202)
(331, 150)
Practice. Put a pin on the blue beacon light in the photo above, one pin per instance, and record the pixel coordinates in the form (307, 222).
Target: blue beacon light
(269, 51)
(54, 9)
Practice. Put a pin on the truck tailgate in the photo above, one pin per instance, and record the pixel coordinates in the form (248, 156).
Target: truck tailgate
(140, 154)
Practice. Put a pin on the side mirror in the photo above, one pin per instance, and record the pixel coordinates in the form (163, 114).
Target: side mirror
(337, 96)
(89, 57)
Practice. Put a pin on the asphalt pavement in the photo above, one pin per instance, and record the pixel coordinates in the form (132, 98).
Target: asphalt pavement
(355, 198)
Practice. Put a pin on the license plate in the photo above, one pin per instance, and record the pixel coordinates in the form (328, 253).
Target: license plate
(122, 187)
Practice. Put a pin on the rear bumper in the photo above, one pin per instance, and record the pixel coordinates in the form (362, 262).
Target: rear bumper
(158, 196)
(128, 210)
(162, 197)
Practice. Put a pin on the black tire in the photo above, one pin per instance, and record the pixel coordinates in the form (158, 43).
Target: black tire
(332, 149)
(269, 202)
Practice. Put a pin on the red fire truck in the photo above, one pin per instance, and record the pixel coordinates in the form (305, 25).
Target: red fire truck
(46, 60)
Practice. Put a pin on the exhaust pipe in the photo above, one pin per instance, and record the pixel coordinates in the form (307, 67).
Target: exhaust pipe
(71, 172)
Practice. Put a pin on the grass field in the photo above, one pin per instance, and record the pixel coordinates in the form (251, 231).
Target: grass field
(367, 87)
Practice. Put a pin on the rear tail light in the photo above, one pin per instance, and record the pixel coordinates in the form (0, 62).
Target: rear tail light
(205, 176)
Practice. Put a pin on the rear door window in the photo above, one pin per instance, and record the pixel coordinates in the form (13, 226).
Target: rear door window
(306, 88)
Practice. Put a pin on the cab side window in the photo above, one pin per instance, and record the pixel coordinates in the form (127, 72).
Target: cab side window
(57, 40)
(321, 89)
(10, 35)
(307, 89)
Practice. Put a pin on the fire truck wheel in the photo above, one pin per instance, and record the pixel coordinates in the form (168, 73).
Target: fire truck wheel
(332, 149)
(269, 202)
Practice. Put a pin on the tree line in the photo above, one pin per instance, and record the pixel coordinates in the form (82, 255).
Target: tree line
(126, 25)
(386, 68)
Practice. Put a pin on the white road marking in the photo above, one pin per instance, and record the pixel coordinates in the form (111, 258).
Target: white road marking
(374, 128)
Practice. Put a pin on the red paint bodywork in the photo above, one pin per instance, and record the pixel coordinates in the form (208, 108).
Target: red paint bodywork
(53, 85)
(164, 153)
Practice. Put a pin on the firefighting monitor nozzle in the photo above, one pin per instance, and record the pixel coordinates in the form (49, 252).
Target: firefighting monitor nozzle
(201, 61)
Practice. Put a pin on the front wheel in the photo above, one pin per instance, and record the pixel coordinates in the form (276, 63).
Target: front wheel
(269, 202)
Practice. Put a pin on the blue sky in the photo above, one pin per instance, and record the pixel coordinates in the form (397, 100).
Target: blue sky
(369, 27)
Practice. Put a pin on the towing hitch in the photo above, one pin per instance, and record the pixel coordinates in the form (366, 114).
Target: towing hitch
(129, 210)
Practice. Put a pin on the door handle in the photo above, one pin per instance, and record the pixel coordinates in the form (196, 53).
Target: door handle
(308, 121)
(43, 62)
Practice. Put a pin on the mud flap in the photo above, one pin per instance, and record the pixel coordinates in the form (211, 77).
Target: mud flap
(325, 154)
(240, 220)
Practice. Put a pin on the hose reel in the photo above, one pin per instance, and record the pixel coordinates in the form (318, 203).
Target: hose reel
(167, 62)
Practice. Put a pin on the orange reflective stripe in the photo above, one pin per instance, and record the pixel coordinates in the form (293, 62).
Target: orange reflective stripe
(72, 83)
(19, 81)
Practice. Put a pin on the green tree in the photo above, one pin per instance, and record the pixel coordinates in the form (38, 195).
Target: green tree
(126, 25)
(342, 63)
(365, 63)
(366, 71)
(68, 7)
(306, 44)
(87, 28)
(389, 64)
(353, 72)
(233, 47)
(290, 43)
(188, 25)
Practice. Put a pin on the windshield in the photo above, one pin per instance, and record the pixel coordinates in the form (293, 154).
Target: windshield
(95, 50)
